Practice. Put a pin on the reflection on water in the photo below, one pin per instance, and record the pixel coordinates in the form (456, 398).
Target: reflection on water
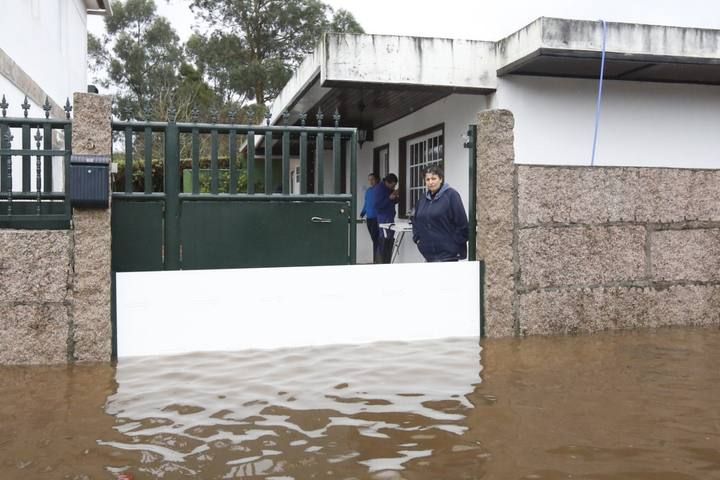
(297, 413)
(613, 406)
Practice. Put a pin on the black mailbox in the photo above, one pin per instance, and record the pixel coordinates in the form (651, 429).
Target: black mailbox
(89, 181)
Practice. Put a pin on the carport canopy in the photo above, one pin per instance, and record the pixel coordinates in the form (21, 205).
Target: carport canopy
(373, 80)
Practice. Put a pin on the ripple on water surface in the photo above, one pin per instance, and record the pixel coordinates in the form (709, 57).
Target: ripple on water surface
(346, 410)
(640, 405)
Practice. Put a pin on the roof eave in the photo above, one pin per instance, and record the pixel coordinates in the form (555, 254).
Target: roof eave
(558, 47)
(98, 7)
(362, 60)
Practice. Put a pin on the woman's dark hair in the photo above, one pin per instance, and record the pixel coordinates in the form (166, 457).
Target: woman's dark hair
(435, 170)
(390, 177)
(375, 176)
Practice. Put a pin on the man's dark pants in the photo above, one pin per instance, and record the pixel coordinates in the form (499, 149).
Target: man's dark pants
(387, 242)
(374, 230)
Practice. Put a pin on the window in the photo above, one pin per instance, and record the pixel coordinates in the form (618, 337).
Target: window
(421, 152)
(295, 180)
(381, 160)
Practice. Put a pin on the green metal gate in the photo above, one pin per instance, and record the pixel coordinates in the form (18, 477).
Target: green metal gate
(205, 196)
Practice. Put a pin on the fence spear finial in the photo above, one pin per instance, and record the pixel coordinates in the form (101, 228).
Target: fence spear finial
(286, 117)
(25, 106)
(319, 115)
(38, 138)
(214, 115)
(147, 110)
(336, 117)
(172, 113)
(4, 106)
(268, 116)
(67, 108)
(303, 119)
(128, 112)
(47, 107)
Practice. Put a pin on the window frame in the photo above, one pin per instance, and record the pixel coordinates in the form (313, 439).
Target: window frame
(377, 168)
(403, 163)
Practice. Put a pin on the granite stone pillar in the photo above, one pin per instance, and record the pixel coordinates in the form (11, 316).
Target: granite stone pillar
(496, 213)
(91, 329)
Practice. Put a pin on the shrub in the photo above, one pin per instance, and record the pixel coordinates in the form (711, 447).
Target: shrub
(158, 175)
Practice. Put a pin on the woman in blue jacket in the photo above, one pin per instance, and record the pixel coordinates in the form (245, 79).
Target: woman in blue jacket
(440, 224)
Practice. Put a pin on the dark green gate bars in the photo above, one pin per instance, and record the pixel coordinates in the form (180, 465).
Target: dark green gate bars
(471, 145)
(29, 197)
(209, 195)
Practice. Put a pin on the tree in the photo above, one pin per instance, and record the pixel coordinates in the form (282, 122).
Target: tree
(241, 62)
(97, 59)
(144, 60)
(344, 22)
(219, 58)
(254, 45)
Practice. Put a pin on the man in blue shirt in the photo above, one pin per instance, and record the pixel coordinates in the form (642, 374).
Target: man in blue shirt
(370, 212)
(386, 196)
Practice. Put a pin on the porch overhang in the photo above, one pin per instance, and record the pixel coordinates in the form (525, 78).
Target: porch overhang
(650, 53)
(373, 80)
(98, 7)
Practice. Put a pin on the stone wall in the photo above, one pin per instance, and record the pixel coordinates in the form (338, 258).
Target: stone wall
(35, 296)
(55, 284)
(583, 249)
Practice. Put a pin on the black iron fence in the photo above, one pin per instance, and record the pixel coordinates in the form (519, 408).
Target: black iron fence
(34, 169)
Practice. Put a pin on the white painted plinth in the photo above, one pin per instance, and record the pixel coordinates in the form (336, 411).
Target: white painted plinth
(225, 310)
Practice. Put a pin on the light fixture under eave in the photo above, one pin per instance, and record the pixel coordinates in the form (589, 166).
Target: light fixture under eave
(361, 136)
(364, 135)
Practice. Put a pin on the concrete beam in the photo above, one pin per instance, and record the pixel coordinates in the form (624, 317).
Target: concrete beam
(386, 60)
(302, 91)
(417, 61)
(98, 7)
(627, 41)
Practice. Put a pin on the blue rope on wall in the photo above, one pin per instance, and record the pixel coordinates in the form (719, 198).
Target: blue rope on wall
(600, 89)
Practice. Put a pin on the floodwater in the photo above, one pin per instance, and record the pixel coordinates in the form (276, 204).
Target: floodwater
(643, 405)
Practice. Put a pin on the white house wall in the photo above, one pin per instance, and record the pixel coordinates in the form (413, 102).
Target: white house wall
(457, 112)
(47, 39)
(641, 124)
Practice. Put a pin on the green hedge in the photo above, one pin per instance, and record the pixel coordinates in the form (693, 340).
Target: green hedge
(138, 175)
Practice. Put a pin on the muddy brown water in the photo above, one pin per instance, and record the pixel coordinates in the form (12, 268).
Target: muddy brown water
(642, 405)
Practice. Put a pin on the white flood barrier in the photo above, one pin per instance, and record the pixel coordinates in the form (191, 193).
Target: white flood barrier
(172, 312)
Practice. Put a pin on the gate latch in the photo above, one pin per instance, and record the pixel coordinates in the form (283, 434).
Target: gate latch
(320, 220)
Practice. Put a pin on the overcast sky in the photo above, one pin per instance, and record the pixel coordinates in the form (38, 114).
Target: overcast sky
(483, 19)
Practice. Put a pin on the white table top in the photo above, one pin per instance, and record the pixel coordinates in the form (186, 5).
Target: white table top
(400, 226)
